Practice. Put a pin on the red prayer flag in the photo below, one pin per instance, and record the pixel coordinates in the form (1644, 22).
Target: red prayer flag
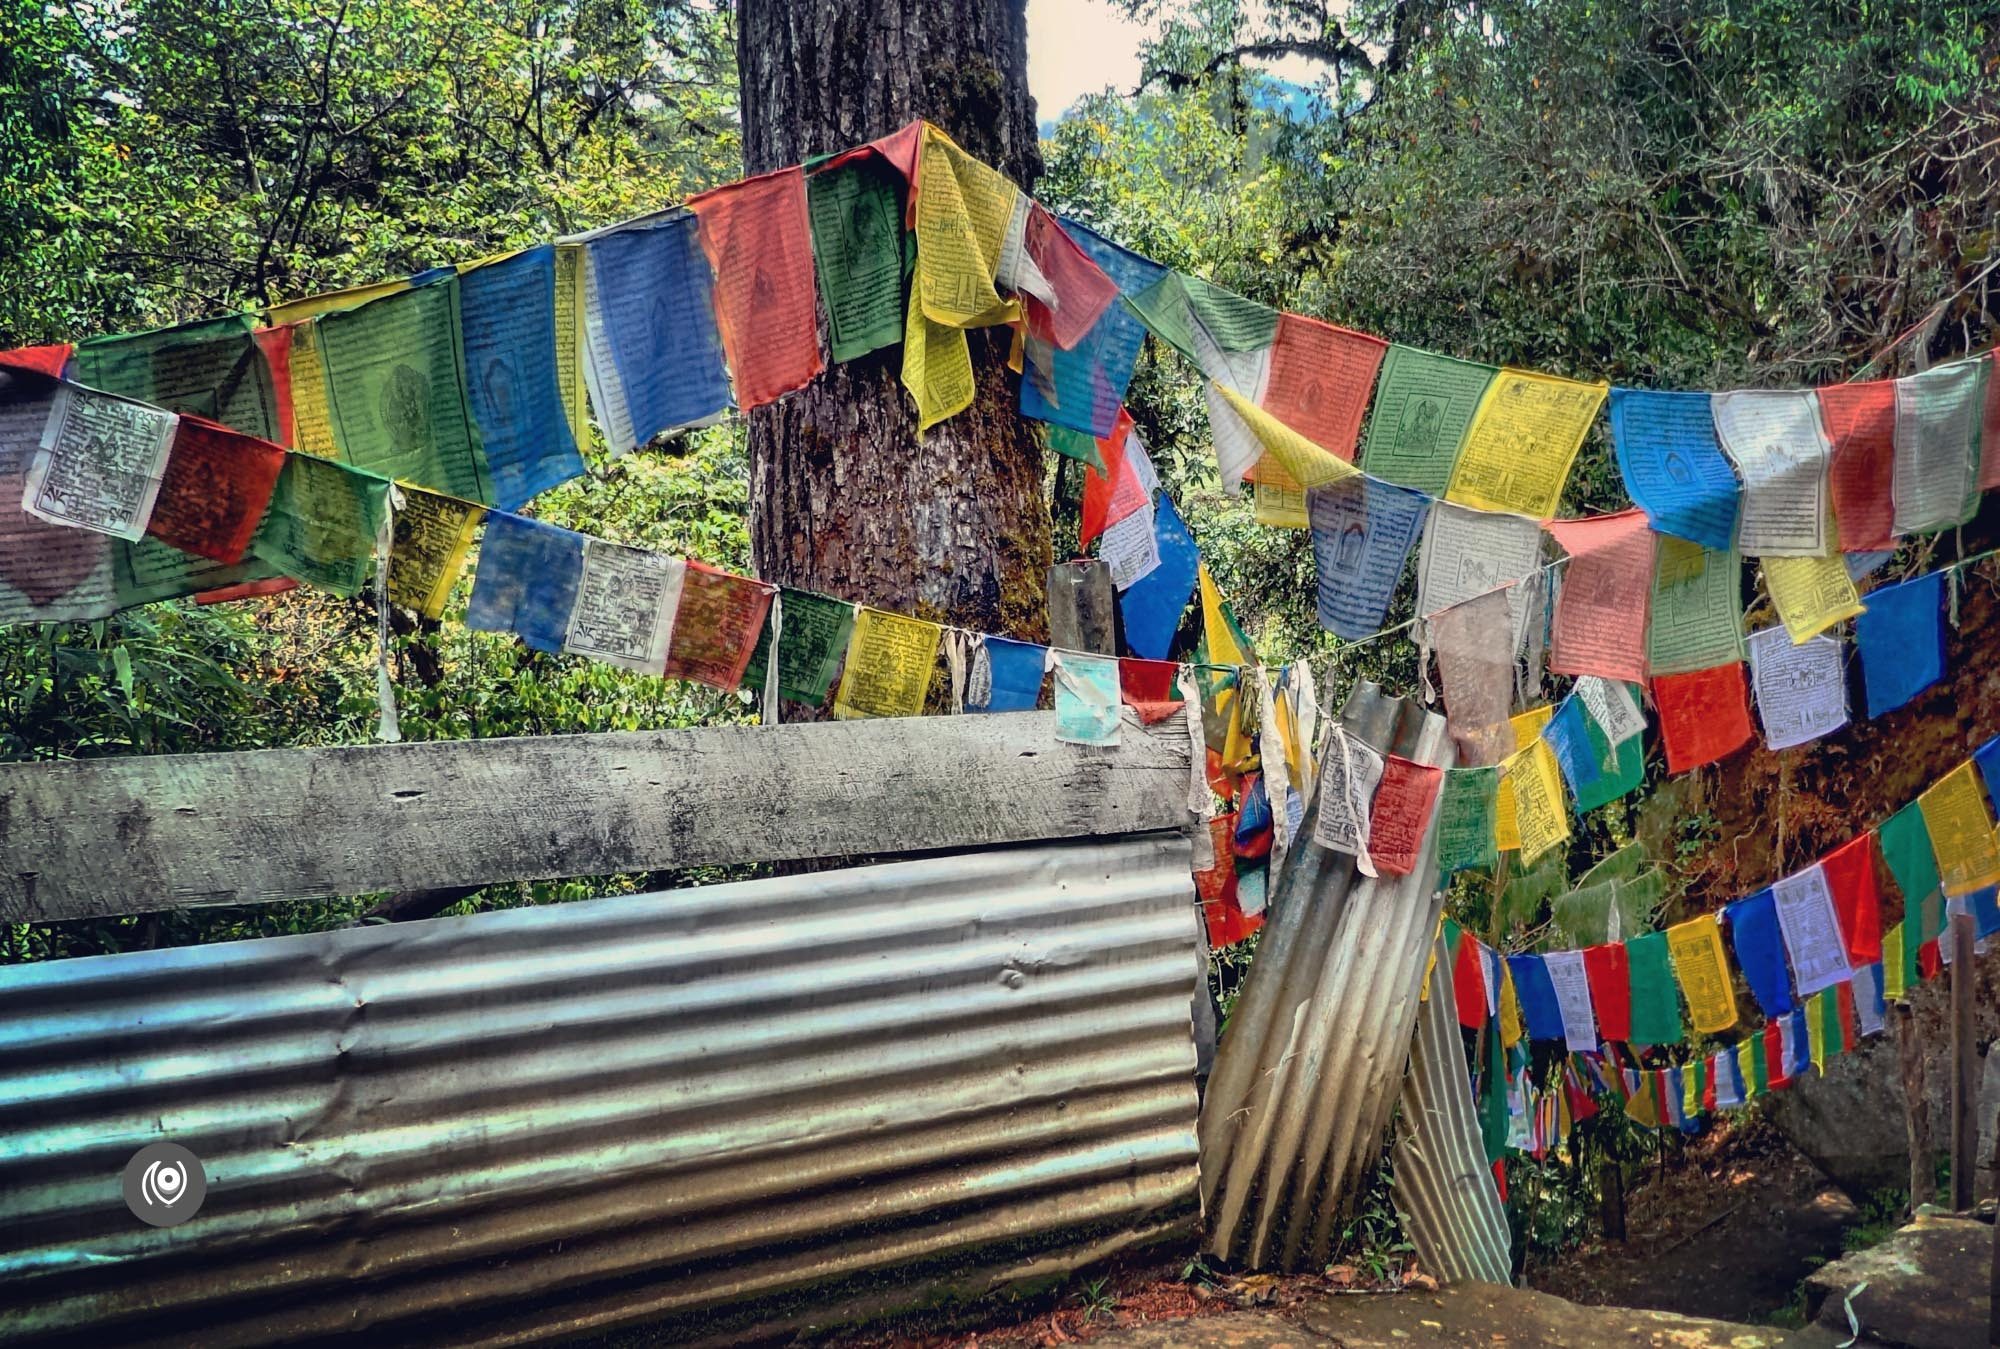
(1861, 424)
(214, 490)
(716, 627)
(1116, 493)
(1401, 815)
(1704, 716)
(758, 238)
(247, 590)
(1600, 623)
(1082, 290)
(1227, 923)
(48, 360)
(1989, 444)
(1321, 378)
(1581, 1104)
(1468, 983)
(1857, 897)
(1930, 959)
(1844, 1003)
(276, 344)
(1148, 687)
(1774, 1054)
(1609, 974)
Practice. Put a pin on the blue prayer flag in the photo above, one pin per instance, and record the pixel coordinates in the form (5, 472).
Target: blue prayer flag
(1800, 1043)
(1987, 756)
(1154, 603)
(1568, 734)
(652, 285)
(1901, 635)
(1091, 378)
(1017, 669)
(1673, 467)
(508, 315)
(1537, 993)
(527, 579)
(1760, 952)
(1984, 906)
(1362, 529)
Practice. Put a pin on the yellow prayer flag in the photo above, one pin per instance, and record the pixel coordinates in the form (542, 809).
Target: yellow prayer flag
(1529, 724)
(571, 343)
(1746, 1068)
(1894, 989)
(312, 306)
(1223, 648)
(1816, 1028)
(1703, 973)
(1534, 780)
(432, 536)
(963, 210)
(1811, 594)
(1961, 831)
(1510, 1009)
(312, 413)
(937, 367)
(1642, 1106)
(1301, 461)
(1690, 1092)
(889, 663)
(1279, 502)
(1506, 815)
(1522, 441)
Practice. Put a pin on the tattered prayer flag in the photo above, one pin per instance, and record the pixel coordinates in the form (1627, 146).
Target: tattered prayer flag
(1961, 831)
(1540, 813)
(1696, 946)
(1572, 989)
(322, 523)
(1537, 992)
(1086, 384)
(1860, 422)
(1610, 976)
(212, 368)
(1423, 405)
(214, 491)
(716, 626)
(1465, 820)
(1813, 945)
(655, 355)
(890, 660)
(1078, 291)
(1152, 605)
(1811, 594)
(1302, 461)
(1673, 468)
(433, 535)
(811, 642)
(1007, 676)
(1362, 530)
(526, 581)
(1522, 441)
(1760, 951)
(1148, 683)
(757, 233)
(1938, 420)
(1124, 488)
(1779, 446)
(1857, 897)
(1466, 553)
(856, 212)
(45, 360)
(1902, 639)
(1656, 1008)
(1216, 885)
(1400, 819)
(1704, 715)
(1086, 699)
(509, 320)
(1696, 617)
(1600, 620)
(1801, 687)
(1476, 667)
(1320, 380)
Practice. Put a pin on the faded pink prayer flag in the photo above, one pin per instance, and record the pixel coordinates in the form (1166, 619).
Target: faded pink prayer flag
(1600, 624)
(758, 238)
(1474, 642)
(1321, 377)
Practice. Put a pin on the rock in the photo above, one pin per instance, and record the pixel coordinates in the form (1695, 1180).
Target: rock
(1926, 1286)
(1850, 1123)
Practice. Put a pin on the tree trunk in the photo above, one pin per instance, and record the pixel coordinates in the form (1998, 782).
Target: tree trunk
(845, 499)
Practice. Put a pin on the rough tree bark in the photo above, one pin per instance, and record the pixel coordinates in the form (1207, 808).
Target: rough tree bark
(845, 499)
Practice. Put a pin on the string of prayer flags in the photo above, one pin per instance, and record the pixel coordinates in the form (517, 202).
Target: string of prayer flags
(1467, 553)
(1362, 531)
(1610, 976)
(1704, 715)
(716, 626)
(1813, 945)
(1811, 594)
(1320, 380)
(1938, 421)
(1535, 781)
(1860, 422)
(625, 606)
(655, 358)
(1696, 948)
(1572, 990)
(1902, 640)
(1465, 828)
(1007, 676)
(1857, 897)
(1755, 935)
(1086, 384)
(856, 213)
(1673, 466)
(1522, 441)
(526, 581)
(214, 490)
(1779, 446)
(1424, 404)
(890, 659)
(323, 523)
(1961, 832)
(1801, 687)
(1600, 619)
(211, 368)
(98, 463)
(433, 534)
(508, 320)
(1400, 818)
(1696, 613)
(1152, 605)
(757, 233)
(1087, 699)
(1540, 1007)
(1476, 668)
(811, 643)
(1656, 1007)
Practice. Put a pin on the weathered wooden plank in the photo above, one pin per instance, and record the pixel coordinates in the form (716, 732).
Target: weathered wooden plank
(110, 836)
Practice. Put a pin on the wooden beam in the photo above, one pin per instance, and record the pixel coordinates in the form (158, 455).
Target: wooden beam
(109, 836)
(1965, 1060)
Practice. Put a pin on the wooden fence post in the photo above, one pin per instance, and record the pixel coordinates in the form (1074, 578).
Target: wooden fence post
(1965, 1062)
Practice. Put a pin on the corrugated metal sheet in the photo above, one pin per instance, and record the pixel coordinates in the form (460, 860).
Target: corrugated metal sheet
(1444, 1188)
(770, 1104)
(1308, 1070)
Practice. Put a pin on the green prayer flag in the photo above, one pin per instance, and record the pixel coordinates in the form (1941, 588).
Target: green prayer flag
(148, 571)
(812, 641)
(1620, 768)
(395, 375)
(322, 523)
(1699, 1068)
(857, 242)
(1423, 405)
(1906, 847)
(1172, 307)
(1493, 1097)
(1466, 804)
(1696, 620)
(1656, 1001)
(1760, 1070)
(1078, 445)
(211, 368)
(1832, 1029)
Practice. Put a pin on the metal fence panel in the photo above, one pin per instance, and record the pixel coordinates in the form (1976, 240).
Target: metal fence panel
(776, 1103)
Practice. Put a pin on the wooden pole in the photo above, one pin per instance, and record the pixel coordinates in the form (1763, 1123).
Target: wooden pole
(1611, 1199)
(1965, 1062)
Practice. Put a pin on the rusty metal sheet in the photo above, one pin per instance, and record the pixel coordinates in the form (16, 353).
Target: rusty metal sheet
(754, 1106)
(1307, 1074)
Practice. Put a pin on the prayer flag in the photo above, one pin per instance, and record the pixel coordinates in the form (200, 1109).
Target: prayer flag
(1424, 404)
(812, 639)
(1087, 699)
(1614, 727)
(1987, 757)
(1362, 530)
(1572, 989)
(48, 572)
(1811, 594)
(1938, 420)
(1087, 383)
(1813, 945)
(1539, 811)
(1898, 962)
(1465, 820)
(1569, 738)
(1007, 676)
(626, 604)
(211, 368)
(1476, 667)
(1610, 976)
(1348, 779)
(1696, 616)
(215, 489)
(1801, 687)
(1860, 422)
(1600, 620)
(322, 523)
(856, 213)
(1125, 485)
(1299, 461)
(1696, 946)
(1906, 847)
(1779, 447)
(1537, 992)
(757, 233)
(1704, 715)
(1320, 380)
(1726, 1080)
(1522, 441)
(1857, 897)
(1143, 684)
(1673, 467)
(717, 626)
(432, 536)
(1871, 1010)
(526, 581)
(1222, 911)
(1511, 1028)
(48, 360)
(1468, 980)
(1961, 831)
(1901, 635)
(1467, 553)
(508, 314)
(1073, 292)
(937, 365)
(890, 660)
(1152, 605)
(1399, 821)
(1760, 952)
(1656, 1008)
(1198, 318)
